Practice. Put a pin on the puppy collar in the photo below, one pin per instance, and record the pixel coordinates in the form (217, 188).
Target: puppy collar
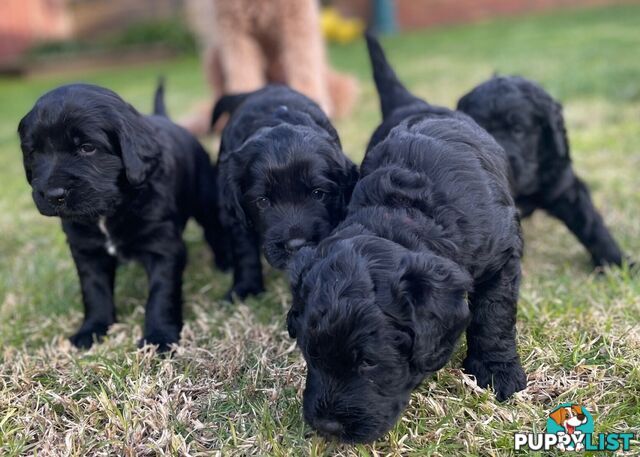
(109, 245)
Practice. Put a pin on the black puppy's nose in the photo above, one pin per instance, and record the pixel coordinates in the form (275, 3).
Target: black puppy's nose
(295, 244)
(55, 195)
(329, 427)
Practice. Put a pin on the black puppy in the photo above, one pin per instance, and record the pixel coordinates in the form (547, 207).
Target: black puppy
(124, 186)
(528, 124)
(284, 180)
(430, 246)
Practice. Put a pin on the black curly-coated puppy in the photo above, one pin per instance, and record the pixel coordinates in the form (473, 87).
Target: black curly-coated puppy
(430, 247)
(124, 186)
(529, 125)
(284, 180)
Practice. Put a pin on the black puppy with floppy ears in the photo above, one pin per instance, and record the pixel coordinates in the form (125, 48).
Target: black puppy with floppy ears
(430, 246)
(284, 180)
(124, 186)
(528, 124)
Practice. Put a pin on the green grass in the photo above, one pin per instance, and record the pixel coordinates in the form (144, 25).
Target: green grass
(235, 383)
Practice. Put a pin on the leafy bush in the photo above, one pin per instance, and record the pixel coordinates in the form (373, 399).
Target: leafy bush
(173, 34)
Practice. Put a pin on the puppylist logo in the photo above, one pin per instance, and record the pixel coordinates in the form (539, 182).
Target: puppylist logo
(570, 428)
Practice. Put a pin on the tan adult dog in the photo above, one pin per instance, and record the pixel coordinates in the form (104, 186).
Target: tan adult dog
(249, 43)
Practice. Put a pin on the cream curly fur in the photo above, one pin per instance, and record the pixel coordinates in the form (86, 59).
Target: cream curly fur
(249, 43)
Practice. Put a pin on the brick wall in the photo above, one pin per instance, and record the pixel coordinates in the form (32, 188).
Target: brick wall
(413, 14)
(95, 17)
(24, 22)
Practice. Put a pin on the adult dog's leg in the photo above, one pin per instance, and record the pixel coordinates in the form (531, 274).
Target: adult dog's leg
(242, 63)
(163, 312)
(303, 56)
(247, 269)
(575, 208)
(96, 270)
(491, 337)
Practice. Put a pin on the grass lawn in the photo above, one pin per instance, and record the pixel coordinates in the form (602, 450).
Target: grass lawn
(235, 383)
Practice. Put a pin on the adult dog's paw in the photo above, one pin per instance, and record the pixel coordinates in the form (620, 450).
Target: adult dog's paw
(161, 337)
(505, 378)
(242, 291)
(87, 334)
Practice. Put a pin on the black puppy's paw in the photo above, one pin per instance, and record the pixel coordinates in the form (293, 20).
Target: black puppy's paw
(87, 334)
(633, 265)
(506, 378)
(222, 261)
(162, 337)
(242, 291)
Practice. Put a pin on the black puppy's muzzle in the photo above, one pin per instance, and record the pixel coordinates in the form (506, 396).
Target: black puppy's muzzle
(292, 246)
(348, 427)
(296, 239)
(50, 200)
(350, 414)
(290, 233)
(55, 196)
(329, 428)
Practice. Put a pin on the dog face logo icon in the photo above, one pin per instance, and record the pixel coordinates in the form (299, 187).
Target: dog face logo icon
(570, 419)
(570, 428)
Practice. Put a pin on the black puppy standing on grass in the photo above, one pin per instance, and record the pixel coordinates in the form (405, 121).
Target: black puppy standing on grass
(430, 246)
(529, 125)
(284, 180)
(124, 186)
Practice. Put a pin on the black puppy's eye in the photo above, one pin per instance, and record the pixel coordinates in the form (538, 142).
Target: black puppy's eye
(517, 129)
(367, 364)
(318, 194)
(262, 202)
(86, 149)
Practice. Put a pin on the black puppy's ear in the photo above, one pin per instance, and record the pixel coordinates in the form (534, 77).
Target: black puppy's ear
(350, 179)
(432, 291)
(293, 321)
(554, 133)
(27, 167)
(427, 276)
(26, 152)
(299, 265)
(230, 191)
(347, 180)
(139, 148)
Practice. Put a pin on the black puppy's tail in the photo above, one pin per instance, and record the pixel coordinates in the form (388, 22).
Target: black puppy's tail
(159, 108)
(227, 104)
(391, 91)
